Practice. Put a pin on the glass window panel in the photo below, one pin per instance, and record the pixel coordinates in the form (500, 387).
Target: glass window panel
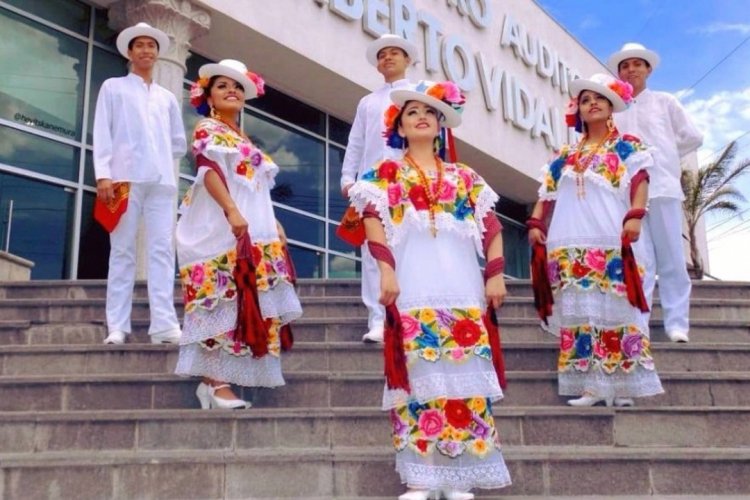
(43, 75)
(190, 118)
(45, 156)
(40, 223)
(102, 32)
(308, 263)
(337, 204)
(104, 65)
(194, 62)
(301, 179)
(291, 110)
(338, 130)
(69, 14)
(334, 243)
(89, 176)
(515, 250)
(341, 267)
(301, 228)
(182, 186)
(93, 252)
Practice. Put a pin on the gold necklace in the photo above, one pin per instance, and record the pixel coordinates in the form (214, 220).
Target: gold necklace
(581, 165)
(432, 196)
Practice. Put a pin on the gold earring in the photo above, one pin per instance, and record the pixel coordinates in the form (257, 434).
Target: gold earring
(213, 113)
(610, 124)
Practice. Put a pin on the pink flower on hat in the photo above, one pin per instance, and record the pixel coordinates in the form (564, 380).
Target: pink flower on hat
(260, 84)
(623, 89)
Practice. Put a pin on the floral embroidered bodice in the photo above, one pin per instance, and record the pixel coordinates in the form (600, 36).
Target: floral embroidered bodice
(608, 167)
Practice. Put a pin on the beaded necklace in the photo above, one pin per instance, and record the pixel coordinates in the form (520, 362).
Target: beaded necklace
(581, 165)
(231, 125)
(432, 196)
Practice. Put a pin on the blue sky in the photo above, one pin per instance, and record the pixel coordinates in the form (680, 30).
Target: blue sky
(691, 37)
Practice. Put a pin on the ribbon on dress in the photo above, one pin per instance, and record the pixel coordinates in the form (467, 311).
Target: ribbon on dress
(493, 331)
(632, 277)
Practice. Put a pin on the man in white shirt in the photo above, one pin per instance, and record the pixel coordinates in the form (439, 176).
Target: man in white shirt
(391, 55)
(661, 122)
(138, 133)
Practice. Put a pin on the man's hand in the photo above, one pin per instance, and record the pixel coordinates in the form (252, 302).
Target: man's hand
(104, 190)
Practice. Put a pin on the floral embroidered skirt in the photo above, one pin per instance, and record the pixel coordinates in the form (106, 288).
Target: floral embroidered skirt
(604, 341)
(207, 347)
(443, 431)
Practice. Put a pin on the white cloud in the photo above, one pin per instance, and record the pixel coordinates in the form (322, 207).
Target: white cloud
(723, 117)
(741, 28)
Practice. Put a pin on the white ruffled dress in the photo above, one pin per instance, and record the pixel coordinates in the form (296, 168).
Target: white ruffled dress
(206, 251)
(443, 431)
(604, 340)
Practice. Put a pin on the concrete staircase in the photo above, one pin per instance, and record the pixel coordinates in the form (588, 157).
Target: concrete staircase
(82, 420)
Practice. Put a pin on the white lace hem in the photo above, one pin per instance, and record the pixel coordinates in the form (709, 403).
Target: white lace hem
(440, 302)
(574, 308)
(431, 384)
(219, 365)
(462, 473)
(201, 324)
(639, 383)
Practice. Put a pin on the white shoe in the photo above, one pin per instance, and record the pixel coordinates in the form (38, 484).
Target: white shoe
(416, 495)
(590, 400)
(206, 394)
(678, 336)
(458, 495)
(375, 336)
(115, 337)
(624, 402)
(166, 337)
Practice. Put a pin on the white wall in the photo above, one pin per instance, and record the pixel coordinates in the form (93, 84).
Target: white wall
(313, 50)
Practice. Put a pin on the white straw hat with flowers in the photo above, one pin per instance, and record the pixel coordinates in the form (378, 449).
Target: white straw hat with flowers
(141, 29)
(619, 93)
(446, 97)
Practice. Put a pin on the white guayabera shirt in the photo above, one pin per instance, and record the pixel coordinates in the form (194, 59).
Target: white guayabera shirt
(660, 121)
(366, 142)
(138, 132)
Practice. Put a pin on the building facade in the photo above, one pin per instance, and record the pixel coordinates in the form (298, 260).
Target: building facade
(512, 60)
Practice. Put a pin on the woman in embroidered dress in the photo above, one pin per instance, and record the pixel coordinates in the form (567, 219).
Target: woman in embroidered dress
(229, 200)
(426, 221)
(599, 189)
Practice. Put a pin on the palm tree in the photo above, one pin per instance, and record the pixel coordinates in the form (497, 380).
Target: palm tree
(710, 189)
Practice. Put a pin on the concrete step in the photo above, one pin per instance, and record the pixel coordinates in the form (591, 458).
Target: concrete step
(335, 357)
(311, 287)
(83, 310)
(325, 390)
(363, 472)
(285, 428)
(343, 329)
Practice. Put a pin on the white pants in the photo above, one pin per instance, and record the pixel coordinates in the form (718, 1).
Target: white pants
(371, 289)
(156, 204)
(665, 257)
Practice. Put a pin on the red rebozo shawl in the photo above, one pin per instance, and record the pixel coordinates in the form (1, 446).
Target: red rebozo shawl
(250, 328)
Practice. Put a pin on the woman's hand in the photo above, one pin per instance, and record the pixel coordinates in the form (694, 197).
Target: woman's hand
(632, 229)
(282, 233)
(389, 290)
(494, 291)
(237, 222)
(536, 236)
